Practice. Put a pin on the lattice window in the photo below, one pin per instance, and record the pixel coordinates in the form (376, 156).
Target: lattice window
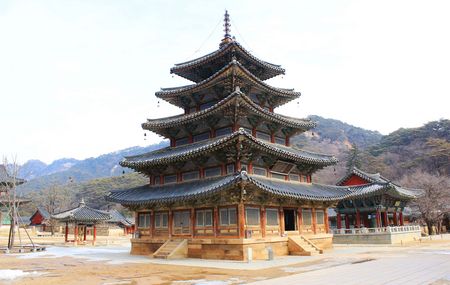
(263, 136)
(294, 177)
(252, 217)
(223, 131)
(204, 218)
(170, 179)
(307, 217)
(227, 216)
(259, 171)
(161, 220)
(182, 141)
(191, 175)
(280, 140)
(230, 168)
(143, 220)
(320, 217)
(213, 171)
(272, 218)
(201, 137)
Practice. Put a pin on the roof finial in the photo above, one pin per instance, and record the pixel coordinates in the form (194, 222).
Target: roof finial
(227, 37)
(227, 25)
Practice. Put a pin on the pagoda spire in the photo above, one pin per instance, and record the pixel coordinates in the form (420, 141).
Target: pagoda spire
(227, 37)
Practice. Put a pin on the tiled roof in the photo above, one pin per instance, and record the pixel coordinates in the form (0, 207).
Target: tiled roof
(270, 70)
(6, 179)
(117, 217)
(160, 194)
(185, 152)
(234, 64)
(82, 213)
(375, 180)
(370, 177)
(236, 96)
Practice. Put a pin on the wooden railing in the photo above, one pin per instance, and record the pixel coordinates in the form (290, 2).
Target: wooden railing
(355, 231)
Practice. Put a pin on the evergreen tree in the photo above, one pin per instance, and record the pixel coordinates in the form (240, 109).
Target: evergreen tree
(353, 157)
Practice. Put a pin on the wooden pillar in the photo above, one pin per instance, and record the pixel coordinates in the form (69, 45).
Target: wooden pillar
(94, 234)
(84, 234)
(395, 218)
(281, 221)
(358, 219)
(263, 221)
(66, 233)
(170, 221)
(314, 220)
(192, 222)
(216, 221)
(338, 221)
(75, 233)
(300, 220)
(400, 216)
(152, 223)
(241, 217)
(378, 218)
(385, 218)
(325, 216)
(347, 222)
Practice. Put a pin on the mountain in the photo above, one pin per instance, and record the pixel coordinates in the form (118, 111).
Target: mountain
(70, 171)
(426, 148)
(35, 168)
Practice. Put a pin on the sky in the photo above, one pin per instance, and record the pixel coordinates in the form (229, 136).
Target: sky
(77, 78)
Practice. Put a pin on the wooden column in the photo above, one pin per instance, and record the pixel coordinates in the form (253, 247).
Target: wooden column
(299, 220)
(281, 221)
(241, 217)
(314, 220)
(216, 221)
(66, 233)
(94, 235)
(192, 222)
(347, 222)
(378, 218)
(338, 221)
(152, 223)
(170, 223)
(263, 221)
(75, 233)
(400, 216)
(325, 216)
(85, 232)
(358, 219)
(395, 218)
(385, 218)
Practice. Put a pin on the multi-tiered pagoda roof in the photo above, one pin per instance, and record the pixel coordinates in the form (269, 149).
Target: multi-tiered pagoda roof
(229, 124)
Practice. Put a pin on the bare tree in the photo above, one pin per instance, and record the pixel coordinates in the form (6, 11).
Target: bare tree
(9, 198)
(54, 200)
(433, 205)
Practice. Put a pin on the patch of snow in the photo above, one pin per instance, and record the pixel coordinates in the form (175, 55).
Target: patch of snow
(11, 274)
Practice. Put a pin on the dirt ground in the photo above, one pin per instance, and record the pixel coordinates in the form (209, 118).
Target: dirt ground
(78, 270)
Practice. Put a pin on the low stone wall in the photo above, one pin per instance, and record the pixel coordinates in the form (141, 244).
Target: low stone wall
(377, 238)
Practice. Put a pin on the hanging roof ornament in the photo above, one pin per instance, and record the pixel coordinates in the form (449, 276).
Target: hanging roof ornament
(227, 37)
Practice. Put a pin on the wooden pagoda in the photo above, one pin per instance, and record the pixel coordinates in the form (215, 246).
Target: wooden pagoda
(230, 179)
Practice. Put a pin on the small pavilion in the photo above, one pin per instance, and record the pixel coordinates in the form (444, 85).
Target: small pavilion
(82, 219)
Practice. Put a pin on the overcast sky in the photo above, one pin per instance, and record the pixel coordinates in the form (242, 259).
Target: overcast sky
(77, 78)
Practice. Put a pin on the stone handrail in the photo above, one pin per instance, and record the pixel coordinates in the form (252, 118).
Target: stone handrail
(396, 229)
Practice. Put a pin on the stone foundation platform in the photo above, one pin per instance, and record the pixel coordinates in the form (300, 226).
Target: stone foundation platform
(230, 248)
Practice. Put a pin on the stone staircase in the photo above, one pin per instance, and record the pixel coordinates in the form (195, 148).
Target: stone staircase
(299, 245)
(177, 248)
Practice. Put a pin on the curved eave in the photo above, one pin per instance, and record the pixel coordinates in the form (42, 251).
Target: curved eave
(170, 94)
(375, 188)
(161, 194)
(157, 125)
(170, 155)
(182, 69)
